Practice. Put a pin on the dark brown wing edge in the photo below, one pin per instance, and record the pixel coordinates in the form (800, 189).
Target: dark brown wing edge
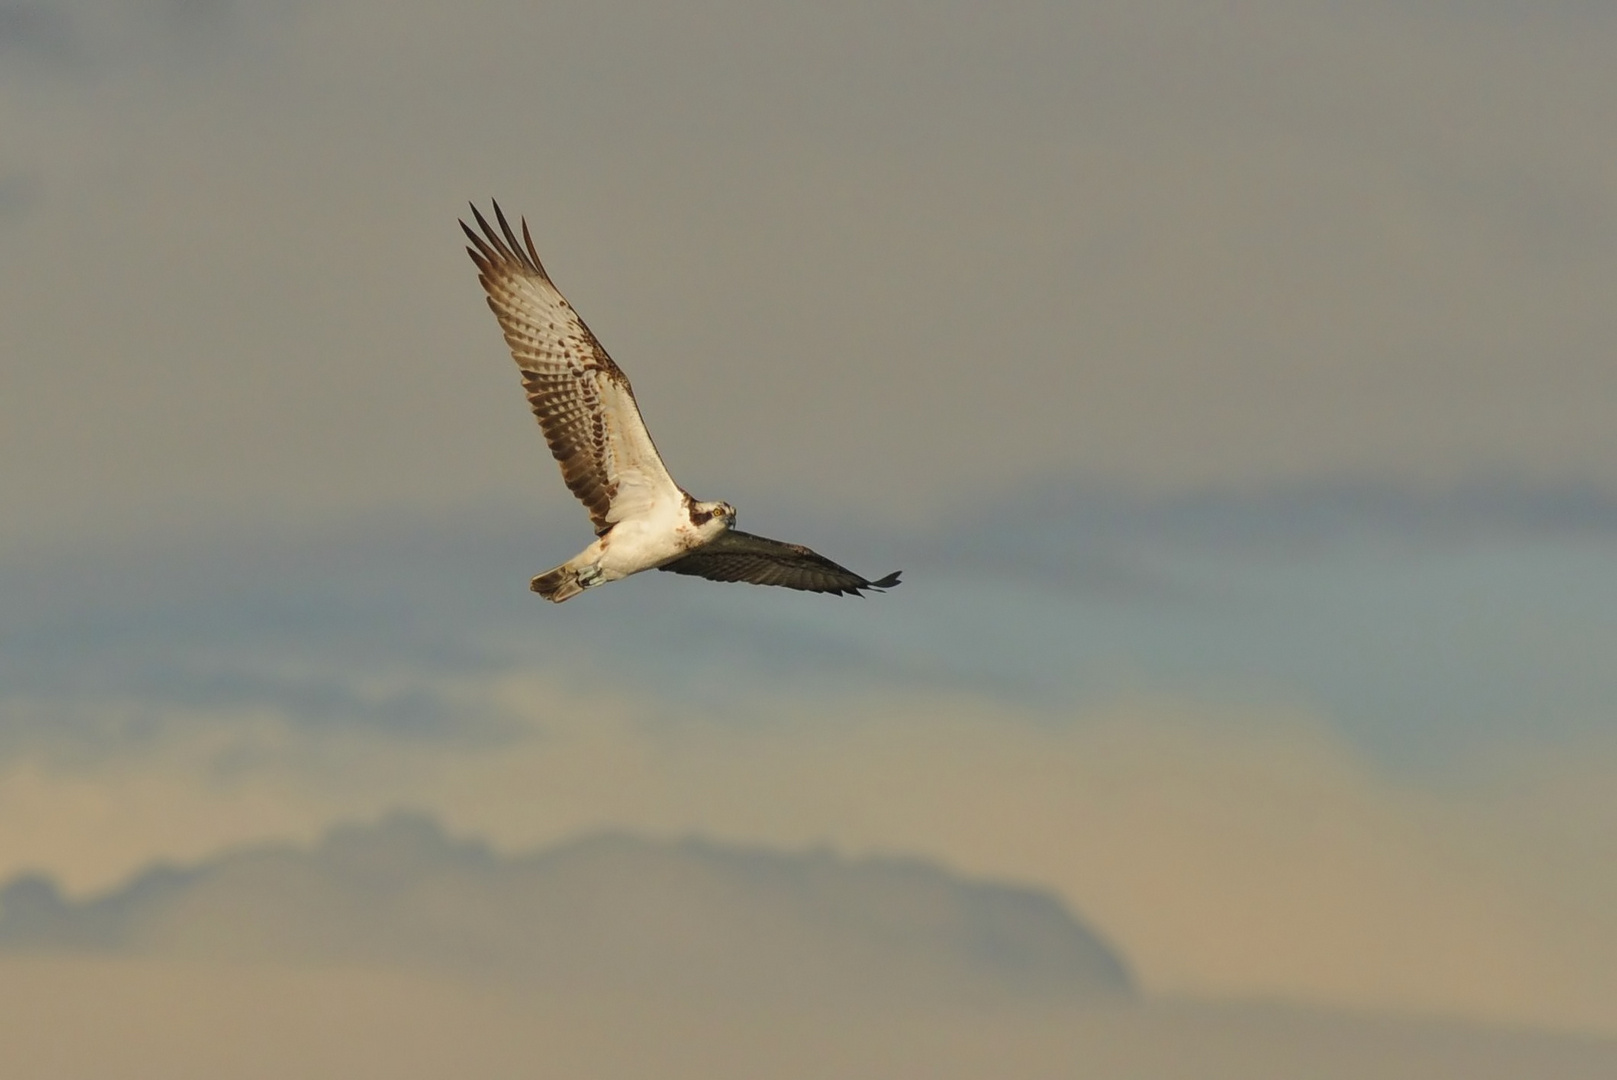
(757, 560)
(490, 248)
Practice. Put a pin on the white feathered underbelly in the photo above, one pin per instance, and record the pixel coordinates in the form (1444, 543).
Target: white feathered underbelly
(645, 543)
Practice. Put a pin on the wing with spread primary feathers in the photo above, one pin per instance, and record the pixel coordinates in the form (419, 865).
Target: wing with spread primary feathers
(739, 556)
(582, 399)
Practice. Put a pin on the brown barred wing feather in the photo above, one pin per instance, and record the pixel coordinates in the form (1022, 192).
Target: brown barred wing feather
(582, 399)
(739, 556)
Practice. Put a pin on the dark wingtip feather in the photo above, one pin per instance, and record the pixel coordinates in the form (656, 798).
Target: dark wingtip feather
(533, 252)
(485, 255)
(482, 222)
(515, 246)
(506, 250)
(859, 590)
(490, 243)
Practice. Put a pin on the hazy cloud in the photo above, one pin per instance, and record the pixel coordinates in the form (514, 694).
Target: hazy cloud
(36, 29)
(1225, 855)
(1481, 610)
(101, 40)
(393, 949)
(607, 913)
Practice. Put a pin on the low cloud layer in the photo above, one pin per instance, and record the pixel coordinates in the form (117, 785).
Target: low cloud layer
(607, 914)
(1225, 856)
(394, 949)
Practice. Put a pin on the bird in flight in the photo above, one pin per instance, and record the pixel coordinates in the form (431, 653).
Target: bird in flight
(588, 414)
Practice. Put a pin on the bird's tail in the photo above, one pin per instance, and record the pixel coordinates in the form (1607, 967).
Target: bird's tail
(559, 584)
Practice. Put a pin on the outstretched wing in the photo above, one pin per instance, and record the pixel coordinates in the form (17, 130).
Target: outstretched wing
(582, 399)
(739, 556)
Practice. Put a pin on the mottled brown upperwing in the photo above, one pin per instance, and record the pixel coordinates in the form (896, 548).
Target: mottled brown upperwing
(559, 357)
(758, 560)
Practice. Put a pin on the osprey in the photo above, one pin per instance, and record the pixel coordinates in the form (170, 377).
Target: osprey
(589, 417)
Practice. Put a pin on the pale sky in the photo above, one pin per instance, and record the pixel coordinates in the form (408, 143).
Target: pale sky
(1234, 384)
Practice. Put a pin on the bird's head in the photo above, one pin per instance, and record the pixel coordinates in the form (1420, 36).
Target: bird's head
(712, 517)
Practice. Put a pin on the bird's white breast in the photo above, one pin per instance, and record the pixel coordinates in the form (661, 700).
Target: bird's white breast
(649, 540)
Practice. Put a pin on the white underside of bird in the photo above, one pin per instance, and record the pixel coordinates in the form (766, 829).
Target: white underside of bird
(644, 542)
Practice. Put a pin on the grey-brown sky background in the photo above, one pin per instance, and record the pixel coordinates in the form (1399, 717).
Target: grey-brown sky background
(1234, 382)
(1171, 245)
